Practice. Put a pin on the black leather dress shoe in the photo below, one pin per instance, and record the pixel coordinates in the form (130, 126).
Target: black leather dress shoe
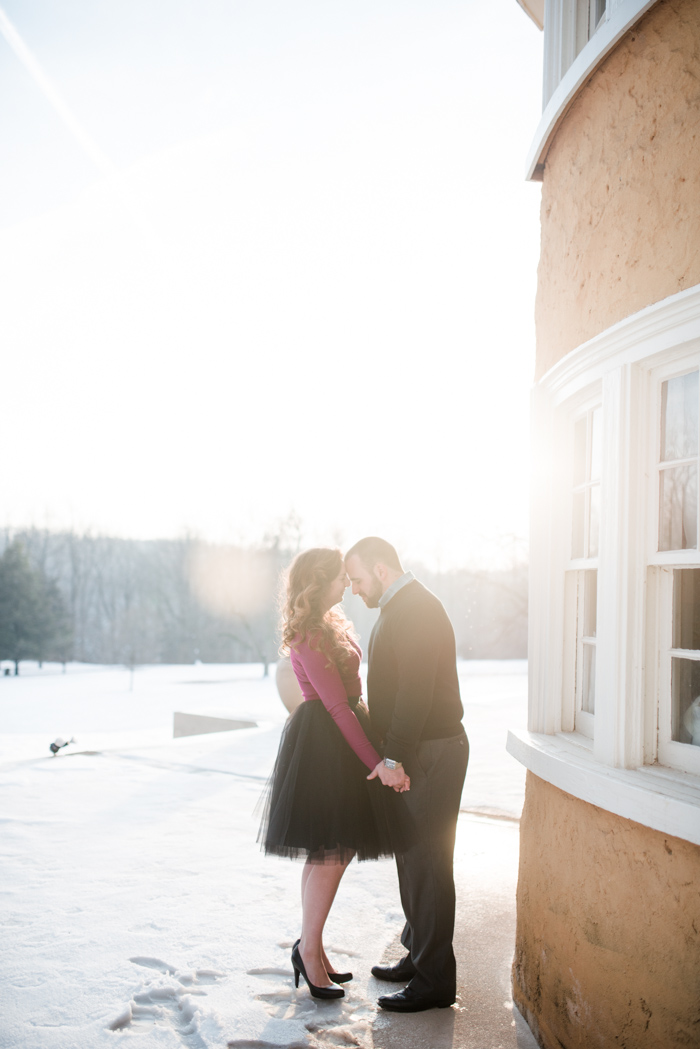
(408, 1001)
(402, 972)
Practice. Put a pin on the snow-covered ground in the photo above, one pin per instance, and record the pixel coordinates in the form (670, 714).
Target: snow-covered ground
(136, 906)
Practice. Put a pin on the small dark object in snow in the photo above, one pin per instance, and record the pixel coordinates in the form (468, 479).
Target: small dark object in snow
(58, 743)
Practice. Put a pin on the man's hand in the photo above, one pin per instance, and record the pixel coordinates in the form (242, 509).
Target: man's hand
(394, 778)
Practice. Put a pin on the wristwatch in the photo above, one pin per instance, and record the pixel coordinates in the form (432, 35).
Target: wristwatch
(391, 764)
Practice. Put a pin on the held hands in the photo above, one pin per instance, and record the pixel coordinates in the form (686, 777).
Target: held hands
(395, 778)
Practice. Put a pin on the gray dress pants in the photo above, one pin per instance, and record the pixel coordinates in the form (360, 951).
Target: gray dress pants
(426, 879)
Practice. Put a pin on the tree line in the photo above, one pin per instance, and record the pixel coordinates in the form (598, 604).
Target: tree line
(98, 599)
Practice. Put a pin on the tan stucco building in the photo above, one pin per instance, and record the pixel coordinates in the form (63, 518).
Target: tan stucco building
(608, 931)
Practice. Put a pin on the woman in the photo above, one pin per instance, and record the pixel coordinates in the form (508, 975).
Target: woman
(319, 801)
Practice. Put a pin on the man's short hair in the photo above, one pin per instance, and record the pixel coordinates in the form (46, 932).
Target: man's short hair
(373, 551)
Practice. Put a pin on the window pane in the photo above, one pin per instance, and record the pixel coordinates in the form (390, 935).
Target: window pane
(594, 521)
(678, 514)
(685, 710)
(579, 452)
(590, 604)
(588, 692)
(577, 531)
(596, 443)
(679, 418)
(686, 608)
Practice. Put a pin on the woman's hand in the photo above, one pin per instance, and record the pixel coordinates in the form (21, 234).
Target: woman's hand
(394, 778)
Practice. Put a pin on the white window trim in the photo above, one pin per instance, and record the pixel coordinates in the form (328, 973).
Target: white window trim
(612, 773)
(659, 798)
(671, 323)
(659, 745)
(671, 754)
(670, 558)
(564, 75)
(573, 714)
(573, 717)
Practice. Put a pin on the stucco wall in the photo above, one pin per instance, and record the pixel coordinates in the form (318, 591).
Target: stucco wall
(621, 190)
(608, 929)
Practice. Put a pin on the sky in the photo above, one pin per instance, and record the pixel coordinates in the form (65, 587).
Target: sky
(264, 258)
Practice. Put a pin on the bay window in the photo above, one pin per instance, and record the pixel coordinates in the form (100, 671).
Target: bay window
(614, 655)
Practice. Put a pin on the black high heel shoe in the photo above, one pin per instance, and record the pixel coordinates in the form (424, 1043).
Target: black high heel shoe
(316, 992)
(340, 977)
(335, 977)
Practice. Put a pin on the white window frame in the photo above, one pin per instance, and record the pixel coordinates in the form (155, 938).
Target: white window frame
(679, 365)
(618, 769)
(584, 720)
(659, 746)
(670, 753)
(573, 716)
(586, 24)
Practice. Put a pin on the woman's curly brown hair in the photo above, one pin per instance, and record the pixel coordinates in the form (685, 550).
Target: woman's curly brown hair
(303, 615)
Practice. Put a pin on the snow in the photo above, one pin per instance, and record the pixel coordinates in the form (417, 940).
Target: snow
(137, 908)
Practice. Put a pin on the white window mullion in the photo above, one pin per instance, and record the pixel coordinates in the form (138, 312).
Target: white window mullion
(610, 619)
(632, 744)
(551, 74)
(596, 15)
(569, 33)
(619, 730)
(656, 623)
(559, 42)
(583, 18)
(569, 683)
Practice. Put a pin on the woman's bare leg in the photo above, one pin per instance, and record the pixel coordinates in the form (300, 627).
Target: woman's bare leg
(319, 884)
(304, 878)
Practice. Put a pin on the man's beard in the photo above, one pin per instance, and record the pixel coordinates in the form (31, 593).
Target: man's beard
(372, 598)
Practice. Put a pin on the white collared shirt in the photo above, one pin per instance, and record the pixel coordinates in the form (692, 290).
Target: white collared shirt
(407, 577)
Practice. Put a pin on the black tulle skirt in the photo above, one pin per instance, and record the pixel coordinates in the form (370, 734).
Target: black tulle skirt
(319, 804)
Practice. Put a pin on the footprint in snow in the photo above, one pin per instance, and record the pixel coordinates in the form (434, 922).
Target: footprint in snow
(246, 1043)
(269, 970)
(339, 1024)
(154, 963)
(167, 1001)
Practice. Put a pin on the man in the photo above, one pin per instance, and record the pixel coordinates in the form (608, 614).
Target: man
(416, 711)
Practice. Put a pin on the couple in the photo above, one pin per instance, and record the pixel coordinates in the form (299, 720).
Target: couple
(328, 796)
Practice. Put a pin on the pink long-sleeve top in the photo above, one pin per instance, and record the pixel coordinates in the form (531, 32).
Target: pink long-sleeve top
(317, 680)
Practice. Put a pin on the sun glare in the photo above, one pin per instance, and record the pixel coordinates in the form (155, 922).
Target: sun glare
(318, 304)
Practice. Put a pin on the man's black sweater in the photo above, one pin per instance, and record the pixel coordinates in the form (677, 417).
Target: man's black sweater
(412, 685)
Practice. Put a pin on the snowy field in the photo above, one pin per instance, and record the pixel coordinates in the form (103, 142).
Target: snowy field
(137, 909)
